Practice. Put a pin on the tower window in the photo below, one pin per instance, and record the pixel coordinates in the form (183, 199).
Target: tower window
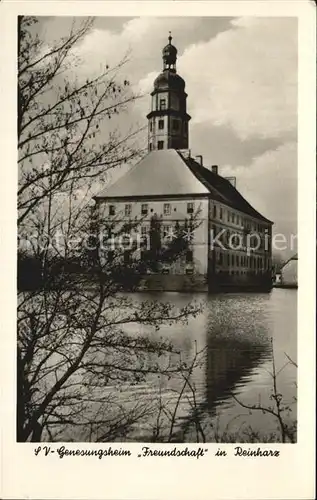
(161, 124)
(160, 145)
(175, 125)
(167, 209)
(162, 103)
(151, 126)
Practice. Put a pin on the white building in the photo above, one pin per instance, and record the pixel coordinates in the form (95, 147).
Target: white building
(170, 186)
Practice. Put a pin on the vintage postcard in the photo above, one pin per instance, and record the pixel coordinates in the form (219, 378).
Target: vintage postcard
(158, 221)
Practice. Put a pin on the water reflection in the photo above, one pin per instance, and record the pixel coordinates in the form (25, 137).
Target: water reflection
(236, 332)
(230, 363)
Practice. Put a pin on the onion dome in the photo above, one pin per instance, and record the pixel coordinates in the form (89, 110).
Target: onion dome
(169, 80)
(169, 52)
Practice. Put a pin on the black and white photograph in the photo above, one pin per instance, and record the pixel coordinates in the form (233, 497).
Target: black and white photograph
(158, 240)
(157, 229)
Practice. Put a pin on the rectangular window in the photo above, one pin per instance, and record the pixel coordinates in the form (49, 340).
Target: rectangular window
(228, 218)
(144, 209)
(232, 260)
(110, 256)
(144, 230)
(237, 260)
(162, 103)
(167, 230)
(161, 124)
(175, 125)
(220, 258)
(151, 146)
(215, 211)
(127, 256)
(160, 144)
(127, 209)
(238, 219)
(151, 126)
(190, 208)
(233, 217)
(167, 209)
(220, 213)
(189, 256)
(112, 210)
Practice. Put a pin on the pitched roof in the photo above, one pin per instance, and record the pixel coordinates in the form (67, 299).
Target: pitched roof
(161, 172)
(293, 258)
(222, 189)
(168, 172)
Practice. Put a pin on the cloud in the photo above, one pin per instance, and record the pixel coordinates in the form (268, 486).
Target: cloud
(240, 73)
(245, 77)
(241, 80)
(269, 183)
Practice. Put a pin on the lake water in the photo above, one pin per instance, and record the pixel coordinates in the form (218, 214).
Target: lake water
(237, 333)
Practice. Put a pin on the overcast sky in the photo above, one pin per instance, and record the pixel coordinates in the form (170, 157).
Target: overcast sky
(241, 80)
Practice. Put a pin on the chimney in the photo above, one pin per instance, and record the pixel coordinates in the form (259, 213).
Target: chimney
(200, 159)
(185, 152)
(214, 169)
(232, 180)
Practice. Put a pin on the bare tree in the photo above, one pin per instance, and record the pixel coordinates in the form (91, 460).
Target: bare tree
(79, 337)
(278, 409)
(59, 117)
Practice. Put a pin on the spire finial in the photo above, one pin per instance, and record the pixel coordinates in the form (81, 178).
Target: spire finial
(170, 37)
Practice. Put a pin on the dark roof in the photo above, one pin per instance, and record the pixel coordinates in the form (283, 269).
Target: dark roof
(222, 189)
(169, 80)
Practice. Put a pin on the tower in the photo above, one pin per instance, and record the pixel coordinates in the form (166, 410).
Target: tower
(168, 118)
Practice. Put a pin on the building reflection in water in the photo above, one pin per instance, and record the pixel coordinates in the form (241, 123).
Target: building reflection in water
(236, 345)
(229, 363)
